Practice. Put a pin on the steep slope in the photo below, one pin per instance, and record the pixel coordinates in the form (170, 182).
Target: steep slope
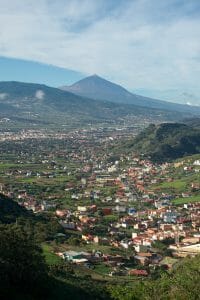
(10, 210)
(96, 87)
(166, 141)
(42, 104)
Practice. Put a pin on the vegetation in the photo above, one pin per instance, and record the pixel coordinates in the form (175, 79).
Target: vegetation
(25, 273)
(21, 263)
(50, 257)
(166, 141)
(186, 200)
(10, 210)
(182, 283)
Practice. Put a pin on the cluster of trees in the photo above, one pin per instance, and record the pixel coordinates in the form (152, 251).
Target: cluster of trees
(10, 210)
(22, 265)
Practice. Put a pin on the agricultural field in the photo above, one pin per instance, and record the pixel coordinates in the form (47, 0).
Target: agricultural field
(50, 257)
(185, 200)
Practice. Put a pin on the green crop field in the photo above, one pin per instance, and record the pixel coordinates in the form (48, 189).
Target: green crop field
(50, 257)
(186, 200)
(178, 185)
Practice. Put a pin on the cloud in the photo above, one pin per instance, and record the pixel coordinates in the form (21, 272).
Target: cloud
(3, 96)
(139, 43)
(39, 94)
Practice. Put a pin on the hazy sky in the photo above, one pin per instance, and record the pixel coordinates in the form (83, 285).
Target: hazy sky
(141, 44)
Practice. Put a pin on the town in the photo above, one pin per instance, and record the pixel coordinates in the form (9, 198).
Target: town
(120, 215)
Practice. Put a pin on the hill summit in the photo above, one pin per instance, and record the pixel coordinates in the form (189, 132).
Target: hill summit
(98, 88)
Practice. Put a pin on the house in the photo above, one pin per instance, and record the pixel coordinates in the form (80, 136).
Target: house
(62, 213)
(131, 211)
(134, 235)
(47, 205)
(101, 240)
(195, 186)
(120, 208)
(113, 258)
(125, 243)
(191, 240)
(107, 211)
(82, 208)
(196, 162)
(141, 259)
(170, 217)
(184, 251)
(141, 248)
(166, 227)
(186, 195)
(68, 225)
(76, 257)
(135, 272)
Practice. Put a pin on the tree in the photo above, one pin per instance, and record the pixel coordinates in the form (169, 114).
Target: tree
(21, 260)
(74, 241)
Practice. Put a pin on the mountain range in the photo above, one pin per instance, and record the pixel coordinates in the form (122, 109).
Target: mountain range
(28, 103)
(92, 100)
(187, 96)
(98, 88)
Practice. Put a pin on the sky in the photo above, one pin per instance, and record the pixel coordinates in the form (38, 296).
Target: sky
(148, 46)
(31, 71)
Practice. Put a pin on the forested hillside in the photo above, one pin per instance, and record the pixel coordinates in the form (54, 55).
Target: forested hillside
(166, 141)
(24, 273)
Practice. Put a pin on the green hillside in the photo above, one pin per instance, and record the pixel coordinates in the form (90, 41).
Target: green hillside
(29, 271)
(166, 141)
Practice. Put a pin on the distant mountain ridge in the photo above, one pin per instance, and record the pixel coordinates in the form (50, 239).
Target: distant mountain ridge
(98, 88)
(36, 103)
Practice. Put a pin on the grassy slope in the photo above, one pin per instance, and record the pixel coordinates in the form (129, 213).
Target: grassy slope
(50, 257)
